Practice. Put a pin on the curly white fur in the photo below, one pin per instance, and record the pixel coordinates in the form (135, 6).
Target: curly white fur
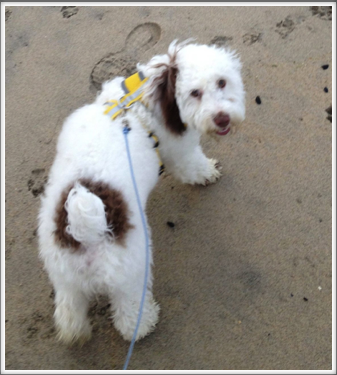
(91, 146)
(86, 216)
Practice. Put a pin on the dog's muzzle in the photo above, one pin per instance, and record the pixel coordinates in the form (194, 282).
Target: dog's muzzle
(222, 120)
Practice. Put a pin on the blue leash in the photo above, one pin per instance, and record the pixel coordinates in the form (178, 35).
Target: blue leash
(126, 130)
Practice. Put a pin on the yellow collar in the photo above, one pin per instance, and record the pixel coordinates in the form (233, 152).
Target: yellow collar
(133, 89)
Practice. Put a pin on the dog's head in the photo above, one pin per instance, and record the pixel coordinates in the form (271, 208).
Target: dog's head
(197, 86)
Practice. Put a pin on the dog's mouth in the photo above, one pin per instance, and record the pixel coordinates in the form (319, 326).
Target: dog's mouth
(224, 131)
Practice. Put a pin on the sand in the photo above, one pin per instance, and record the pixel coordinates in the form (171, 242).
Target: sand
(244, 278)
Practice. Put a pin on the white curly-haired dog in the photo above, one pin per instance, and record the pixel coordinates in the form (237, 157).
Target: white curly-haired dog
(90, 231)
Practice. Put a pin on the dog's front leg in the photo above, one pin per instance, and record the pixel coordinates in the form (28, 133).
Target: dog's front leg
(185, 160)
(193, 167)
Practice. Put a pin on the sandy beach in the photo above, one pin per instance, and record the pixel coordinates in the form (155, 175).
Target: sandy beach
(244, 277)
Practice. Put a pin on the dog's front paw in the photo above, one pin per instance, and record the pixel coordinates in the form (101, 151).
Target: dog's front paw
(214, 172)
(201, 172)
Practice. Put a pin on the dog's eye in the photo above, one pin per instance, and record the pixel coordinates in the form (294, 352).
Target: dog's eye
(221, 83)
(196, 93)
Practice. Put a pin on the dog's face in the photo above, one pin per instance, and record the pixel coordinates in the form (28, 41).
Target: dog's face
(209, 90)
(200, 86)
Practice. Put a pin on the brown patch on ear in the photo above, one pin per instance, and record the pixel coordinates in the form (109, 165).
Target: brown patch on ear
(116, 211)
(166, 93)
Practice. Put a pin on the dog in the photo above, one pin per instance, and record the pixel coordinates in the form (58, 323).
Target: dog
(91, 237)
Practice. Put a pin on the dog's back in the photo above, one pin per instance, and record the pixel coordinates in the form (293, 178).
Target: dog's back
(89, 193)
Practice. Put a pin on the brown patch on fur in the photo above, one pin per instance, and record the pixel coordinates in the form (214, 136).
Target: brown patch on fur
(116, 212)
(165, 93)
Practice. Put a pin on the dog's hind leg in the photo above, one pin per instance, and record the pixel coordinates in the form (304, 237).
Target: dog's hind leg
(70, 315)
(125, 306)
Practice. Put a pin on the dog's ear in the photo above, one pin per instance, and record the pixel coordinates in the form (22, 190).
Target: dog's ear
(165, 93)
(163, 71)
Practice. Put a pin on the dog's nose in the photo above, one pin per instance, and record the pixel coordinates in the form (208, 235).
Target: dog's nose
(222, 119)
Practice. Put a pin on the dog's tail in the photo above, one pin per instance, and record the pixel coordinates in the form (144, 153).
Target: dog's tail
(87, 222)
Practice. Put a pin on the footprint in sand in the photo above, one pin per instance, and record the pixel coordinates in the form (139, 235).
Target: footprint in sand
(69, 11)
(36, 183)
(37, 326)
(8, 14)
(285, 27)
(123, 63)
(250, 39)
(221, 41)
(323, 12)
(288, 25)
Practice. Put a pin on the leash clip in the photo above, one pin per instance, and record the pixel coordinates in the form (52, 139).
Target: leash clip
(126, 128)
